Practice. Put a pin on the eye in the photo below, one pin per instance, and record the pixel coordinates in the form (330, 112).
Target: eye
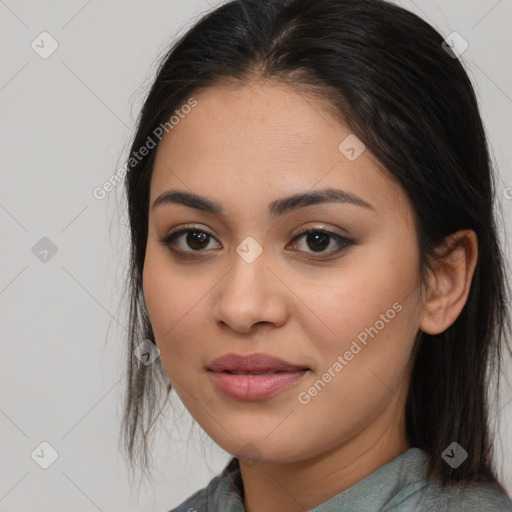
(198, 240)
(195, 238)
(319, 239)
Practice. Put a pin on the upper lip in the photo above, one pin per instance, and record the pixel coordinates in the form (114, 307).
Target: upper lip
(252, 363)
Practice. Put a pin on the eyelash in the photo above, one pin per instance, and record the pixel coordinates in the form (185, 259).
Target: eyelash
(169, 241)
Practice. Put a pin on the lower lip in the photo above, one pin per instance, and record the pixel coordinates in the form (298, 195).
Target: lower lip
(255, 387)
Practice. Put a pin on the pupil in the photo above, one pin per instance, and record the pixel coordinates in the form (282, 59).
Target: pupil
(322, 236)
(196, 236)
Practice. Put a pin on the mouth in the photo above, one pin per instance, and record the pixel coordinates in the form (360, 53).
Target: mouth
(249, 373)
(255, 385)
(254, 376)
(253, 364)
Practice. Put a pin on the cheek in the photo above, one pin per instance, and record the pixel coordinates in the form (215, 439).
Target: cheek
(178, 308)
(176, 305)
(374, 298)
(364, 365)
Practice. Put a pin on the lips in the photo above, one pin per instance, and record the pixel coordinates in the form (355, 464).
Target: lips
(255, 376)
(253, 364)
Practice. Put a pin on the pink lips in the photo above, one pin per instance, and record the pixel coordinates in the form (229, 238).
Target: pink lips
(255, 376)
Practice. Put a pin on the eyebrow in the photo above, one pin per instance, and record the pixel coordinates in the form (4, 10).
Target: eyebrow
(277, 208)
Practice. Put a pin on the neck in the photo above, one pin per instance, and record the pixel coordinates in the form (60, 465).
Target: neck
(303, 485)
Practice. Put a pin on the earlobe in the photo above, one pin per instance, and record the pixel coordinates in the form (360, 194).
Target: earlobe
(450, 281)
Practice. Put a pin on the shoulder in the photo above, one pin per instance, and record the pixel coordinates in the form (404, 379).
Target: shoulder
(474, 498)
(460, 498)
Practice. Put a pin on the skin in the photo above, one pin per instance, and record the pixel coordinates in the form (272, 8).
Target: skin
(245, 147)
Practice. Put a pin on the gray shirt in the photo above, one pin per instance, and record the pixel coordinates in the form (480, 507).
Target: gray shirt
(398, 486)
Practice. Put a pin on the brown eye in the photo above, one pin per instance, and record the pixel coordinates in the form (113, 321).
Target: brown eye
(195, 239)
(189, 242)
(317, 240)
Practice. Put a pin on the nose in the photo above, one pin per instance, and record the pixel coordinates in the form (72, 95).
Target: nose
(250, 294)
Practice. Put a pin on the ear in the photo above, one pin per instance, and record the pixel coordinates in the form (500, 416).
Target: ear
(450, 281)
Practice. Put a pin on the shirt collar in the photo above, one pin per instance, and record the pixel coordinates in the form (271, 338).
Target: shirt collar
(394, 481)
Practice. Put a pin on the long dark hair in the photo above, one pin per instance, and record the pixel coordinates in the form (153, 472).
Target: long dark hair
(386, 74)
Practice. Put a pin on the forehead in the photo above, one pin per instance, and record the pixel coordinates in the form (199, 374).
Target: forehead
(262, 121)
(261, 140)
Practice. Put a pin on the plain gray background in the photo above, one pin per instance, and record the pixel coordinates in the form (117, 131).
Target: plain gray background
(66, 121)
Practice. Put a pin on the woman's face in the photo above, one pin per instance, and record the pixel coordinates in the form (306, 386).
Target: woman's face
(248, 282)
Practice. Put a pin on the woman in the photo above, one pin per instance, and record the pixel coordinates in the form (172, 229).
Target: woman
(316, 262)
